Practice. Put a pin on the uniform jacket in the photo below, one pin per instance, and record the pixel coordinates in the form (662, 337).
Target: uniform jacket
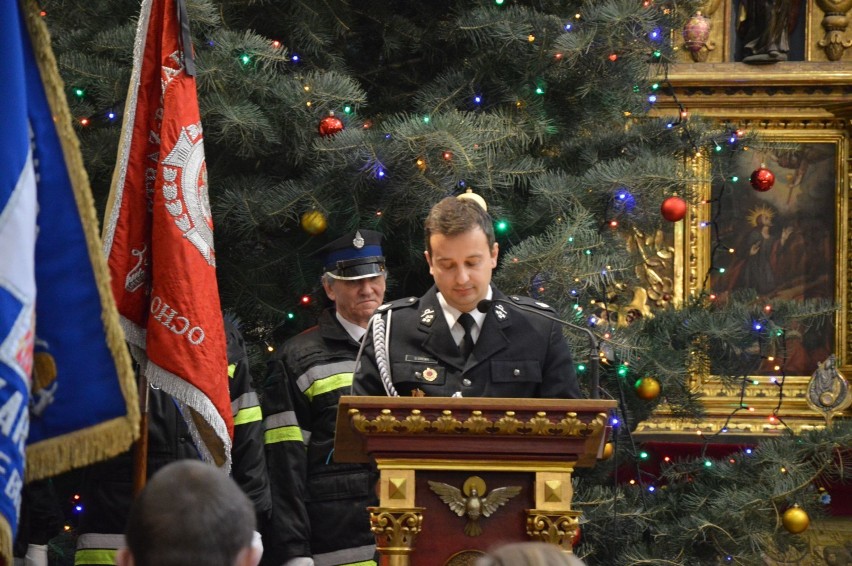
(318, 505)
(517, 354)
(107, 487)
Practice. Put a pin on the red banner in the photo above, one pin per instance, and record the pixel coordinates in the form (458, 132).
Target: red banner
(158, 236)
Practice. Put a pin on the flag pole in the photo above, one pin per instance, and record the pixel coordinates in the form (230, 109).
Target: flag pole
(140, 447)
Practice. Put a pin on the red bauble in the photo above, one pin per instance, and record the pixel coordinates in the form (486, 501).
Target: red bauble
(762, 179)
(575, 540)
(330, 125)
(673, 209)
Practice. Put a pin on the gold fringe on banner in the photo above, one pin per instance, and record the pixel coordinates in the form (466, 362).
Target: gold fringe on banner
(110, 438)
(6, 543)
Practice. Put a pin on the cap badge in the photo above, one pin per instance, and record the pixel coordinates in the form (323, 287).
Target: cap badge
(358, 241)
(429, 374)
(500, 311)
(427, 316)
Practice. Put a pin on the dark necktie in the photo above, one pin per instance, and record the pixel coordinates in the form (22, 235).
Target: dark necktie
(466, 344)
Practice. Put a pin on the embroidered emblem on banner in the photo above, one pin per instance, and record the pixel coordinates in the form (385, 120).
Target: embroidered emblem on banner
(44, 384)
(185, 190)
(138, 276)
(427, 316)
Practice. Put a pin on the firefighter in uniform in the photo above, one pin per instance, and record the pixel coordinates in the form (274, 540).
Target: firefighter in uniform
(319, 507)
(442, 345)
(107, 487)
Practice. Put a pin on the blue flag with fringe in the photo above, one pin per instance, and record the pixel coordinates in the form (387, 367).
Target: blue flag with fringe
(67, 391)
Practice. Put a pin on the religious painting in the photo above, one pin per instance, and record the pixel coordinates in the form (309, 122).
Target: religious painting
(783, 226)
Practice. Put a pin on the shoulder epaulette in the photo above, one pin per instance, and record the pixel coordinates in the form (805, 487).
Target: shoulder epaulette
(530, 302)
(399, 303)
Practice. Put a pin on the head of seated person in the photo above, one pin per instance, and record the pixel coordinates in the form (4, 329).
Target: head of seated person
(190, 513)
(529, 554)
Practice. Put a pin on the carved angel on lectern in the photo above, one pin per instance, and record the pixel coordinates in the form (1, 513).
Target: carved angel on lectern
(473, 503)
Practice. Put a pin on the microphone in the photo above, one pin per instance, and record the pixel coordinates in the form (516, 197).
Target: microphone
(594, 356)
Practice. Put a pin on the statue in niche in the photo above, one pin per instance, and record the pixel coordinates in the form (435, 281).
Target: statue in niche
(764, 28)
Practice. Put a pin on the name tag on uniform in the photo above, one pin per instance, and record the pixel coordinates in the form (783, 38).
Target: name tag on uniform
(421, 359)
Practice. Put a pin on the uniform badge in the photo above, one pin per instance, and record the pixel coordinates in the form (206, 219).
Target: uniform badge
(429, 374)
(500, 311)
(427, 316)
(358, 241)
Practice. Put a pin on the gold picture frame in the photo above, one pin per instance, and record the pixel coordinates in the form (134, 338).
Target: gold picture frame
(793, 107)
(785, 243)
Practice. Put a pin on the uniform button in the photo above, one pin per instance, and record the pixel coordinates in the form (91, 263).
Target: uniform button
(182, 439)
(466, 382)
(517, 371)
(418, 375)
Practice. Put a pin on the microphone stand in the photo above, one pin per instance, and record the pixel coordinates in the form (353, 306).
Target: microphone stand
(594, 355)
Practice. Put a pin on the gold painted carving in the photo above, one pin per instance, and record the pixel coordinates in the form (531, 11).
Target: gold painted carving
(828, 390)
(465, 558)
(835, 23)
(553, 491)
(555, 528)
(397, 489)
(507, 424)
(396, 530)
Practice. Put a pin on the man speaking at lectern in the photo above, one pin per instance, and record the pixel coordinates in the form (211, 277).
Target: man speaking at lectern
(442, 345)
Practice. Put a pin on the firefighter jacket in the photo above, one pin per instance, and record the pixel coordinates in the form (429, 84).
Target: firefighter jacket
(319, 506)
(107, 487)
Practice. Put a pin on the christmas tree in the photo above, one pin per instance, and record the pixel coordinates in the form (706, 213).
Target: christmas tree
(322, 117)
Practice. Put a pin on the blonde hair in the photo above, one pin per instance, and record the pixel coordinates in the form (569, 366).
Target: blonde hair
(529, 554)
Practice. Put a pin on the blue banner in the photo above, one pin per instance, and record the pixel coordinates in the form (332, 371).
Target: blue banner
(67, 393)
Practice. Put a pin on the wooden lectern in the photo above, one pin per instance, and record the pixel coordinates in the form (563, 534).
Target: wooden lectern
(460, 475)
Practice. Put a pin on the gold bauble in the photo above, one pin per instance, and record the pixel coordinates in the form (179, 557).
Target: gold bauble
(469, 194)
(314, 222)
(648, 388)
(607, 451)
(795, 520)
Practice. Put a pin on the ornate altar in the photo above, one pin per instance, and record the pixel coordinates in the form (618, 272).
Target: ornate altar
(799, 97)
(459, 475)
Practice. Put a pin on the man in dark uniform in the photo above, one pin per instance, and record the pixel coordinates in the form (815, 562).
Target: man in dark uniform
(442, 345)
(107, 487)
(319, 507)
